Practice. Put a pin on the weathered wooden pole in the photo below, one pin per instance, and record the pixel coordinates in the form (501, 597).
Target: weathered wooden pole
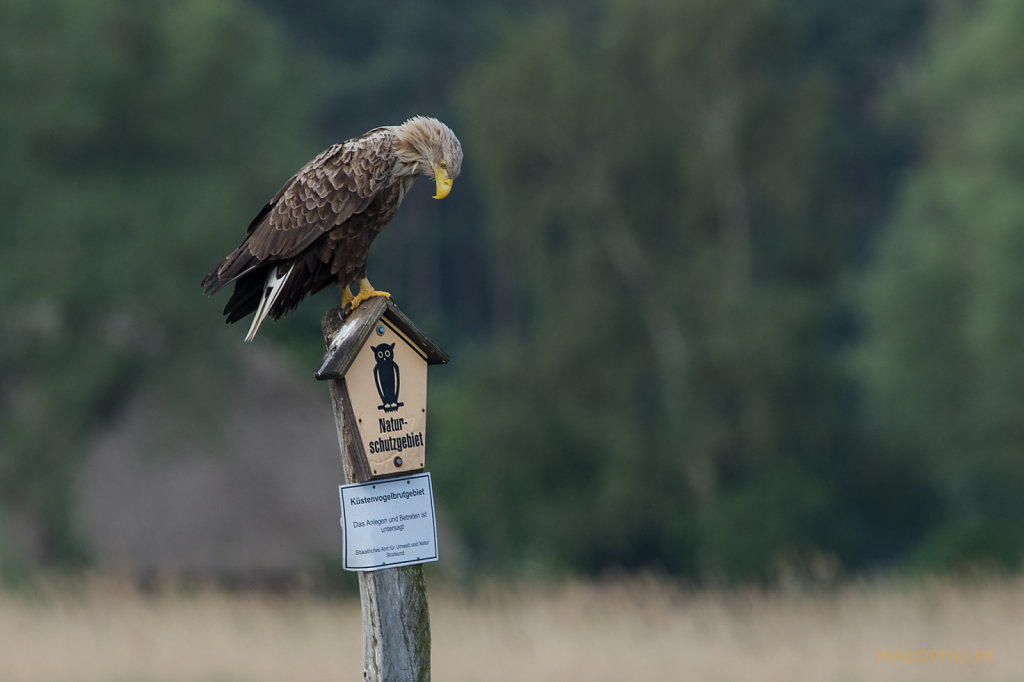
(396, 620)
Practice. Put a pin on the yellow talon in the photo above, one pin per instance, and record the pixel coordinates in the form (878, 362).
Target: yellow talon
(366, 291)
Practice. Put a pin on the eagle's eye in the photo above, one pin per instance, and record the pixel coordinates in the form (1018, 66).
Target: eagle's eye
(444, 166)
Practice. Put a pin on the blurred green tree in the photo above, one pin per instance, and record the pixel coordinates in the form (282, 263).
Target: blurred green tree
(670, 232)
(128, 132)
(647, 266)
(942, 358)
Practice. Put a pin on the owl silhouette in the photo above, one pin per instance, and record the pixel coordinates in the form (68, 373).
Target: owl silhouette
(386, 376)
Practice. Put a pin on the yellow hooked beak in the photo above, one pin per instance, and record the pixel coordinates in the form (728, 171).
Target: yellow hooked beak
(444, 183)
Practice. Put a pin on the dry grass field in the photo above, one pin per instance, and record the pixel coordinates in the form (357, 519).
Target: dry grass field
(628, 630)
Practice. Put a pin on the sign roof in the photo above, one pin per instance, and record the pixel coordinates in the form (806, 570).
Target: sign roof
(349, 334)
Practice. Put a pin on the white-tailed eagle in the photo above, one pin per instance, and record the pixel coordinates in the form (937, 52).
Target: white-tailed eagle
(318, 228)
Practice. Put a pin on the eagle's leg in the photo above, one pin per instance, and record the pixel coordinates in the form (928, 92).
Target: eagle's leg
(366, 291)
(346, 297)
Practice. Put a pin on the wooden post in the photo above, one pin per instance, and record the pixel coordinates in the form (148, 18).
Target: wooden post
(396, 620)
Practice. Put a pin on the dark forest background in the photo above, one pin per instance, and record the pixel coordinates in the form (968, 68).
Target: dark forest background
(730, 288)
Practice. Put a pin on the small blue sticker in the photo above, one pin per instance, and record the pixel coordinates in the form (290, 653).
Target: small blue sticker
(380, 330)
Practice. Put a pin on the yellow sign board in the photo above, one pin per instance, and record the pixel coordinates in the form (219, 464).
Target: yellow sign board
(387, 383)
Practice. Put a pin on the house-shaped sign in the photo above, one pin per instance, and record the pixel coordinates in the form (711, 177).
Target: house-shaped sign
(379, 359)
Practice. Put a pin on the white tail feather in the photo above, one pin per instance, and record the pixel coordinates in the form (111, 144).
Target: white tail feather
(271, 291)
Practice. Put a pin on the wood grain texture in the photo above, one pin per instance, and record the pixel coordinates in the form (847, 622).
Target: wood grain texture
(344, 336)
(353, 457)
(396, 624)
(396, 618)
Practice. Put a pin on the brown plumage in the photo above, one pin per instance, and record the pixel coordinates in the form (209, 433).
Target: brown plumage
(318, 228)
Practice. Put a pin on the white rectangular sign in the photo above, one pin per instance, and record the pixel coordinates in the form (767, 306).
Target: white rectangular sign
(388, 523)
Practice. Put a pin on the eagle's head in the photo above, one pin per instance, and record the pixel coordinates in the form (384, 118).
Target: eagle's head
(428, 147)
